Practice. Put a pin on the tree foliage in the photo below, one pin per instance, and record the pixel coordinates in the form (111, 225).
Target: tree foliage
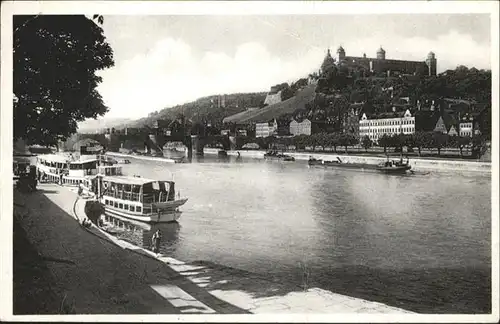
(366, 142)
(55, 63)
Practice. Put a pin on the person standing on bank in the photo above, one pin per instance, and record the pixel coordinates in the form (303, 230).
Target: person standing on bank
(155, 241)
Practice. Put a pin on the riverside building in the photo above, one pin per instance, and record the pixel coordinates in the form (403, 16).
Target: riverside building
(389, 123)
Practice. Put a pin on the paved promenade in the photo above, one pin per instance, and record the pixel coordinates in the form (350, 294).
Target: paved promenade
(100, 274)
(96, 276)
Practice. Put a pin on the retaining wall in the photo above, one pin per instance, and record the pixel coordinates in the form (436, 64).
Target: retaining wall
(416, 163)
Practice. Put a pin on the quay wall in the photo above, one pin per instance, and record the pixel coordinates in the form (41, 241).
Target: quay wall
(416, 163)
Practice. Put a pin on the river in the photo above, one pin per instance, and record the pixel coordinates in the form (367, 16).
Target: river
(422, 243)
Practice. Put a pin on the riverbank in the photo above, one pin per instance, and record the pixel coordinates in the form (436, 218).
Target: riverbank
(84, 265)
(149, 283)
(416, 163)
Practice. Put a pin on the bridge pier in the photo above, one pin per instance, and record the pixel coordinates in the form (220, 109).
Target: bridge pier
(197, 145)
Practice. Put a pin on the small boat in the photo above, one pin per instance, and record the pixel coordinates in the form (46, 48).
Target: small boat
(313, 161)
(274, 155)
(123, 161)
(394, 167)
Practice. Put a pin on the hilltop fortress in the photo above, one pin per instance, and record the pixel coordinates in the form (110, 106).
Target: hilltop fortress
(382, 65)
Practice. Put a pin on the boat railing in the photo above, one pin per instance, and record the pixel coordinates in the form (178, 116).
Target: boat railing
(156, 197)
(132, 196)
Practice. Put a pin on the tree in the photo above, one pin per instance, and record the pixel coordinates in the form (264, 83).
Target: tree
(398, 141)
(463, 141)
(478, 145)
(332, 140)
(384, 141)
(422, 139)
(55, 63)
(366, 142)
(347, 140)
(439, 141)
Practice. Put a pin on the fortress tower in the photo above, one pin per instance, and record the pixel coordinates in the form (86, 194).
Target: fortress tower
(380, 64)
(340, 54)
(381, 53)
(327, 62)
(431, 63)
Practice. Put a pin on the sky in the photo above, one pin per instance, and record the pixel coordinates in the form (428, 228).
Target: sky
(162, 61)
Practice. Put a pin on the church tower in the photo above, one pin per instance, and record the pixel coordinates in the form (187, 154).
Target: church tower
(431, 63)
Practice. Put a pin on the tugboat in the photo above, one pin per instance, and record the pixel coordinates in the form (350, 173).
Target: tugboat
(394, 167)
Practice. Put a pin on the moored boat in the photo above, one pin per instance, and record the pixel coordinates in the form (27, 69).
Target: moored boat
(274, 155)
(313, 161)
(136, 198)
(394, 167)
(68, 169)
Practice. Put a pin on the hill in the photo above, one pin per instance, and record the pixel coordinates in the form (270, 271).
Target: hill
(206, 109)
(289, 106)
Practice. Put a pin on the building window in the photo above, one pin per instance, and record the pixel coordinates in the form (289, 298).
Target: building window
(125, 206)
(120, 205)
(116, 204)
(132, 208)
(138, 209)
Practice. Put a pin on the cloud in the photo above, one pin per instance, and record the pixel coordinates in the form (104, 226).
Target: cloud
(451, 49)
(171, 73)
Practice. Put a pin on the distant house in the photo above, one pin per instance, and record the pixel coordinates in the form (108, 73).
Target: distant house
(273, 98)
(302, 128)
(375, 126)
(466, 127)
(266, 129)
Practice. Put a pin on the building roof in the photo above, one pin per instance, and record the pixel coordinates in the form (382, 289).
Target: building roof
(449, 121)
(387, 115)
(425, 120)
(267, 113)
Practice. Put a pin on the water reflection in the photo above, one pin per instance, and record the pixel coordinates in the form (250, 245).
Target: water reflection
(140, 233)
(420, 242)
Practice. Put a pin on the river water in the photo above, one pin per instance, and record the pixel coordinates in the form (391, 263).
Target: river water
(422, 243)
